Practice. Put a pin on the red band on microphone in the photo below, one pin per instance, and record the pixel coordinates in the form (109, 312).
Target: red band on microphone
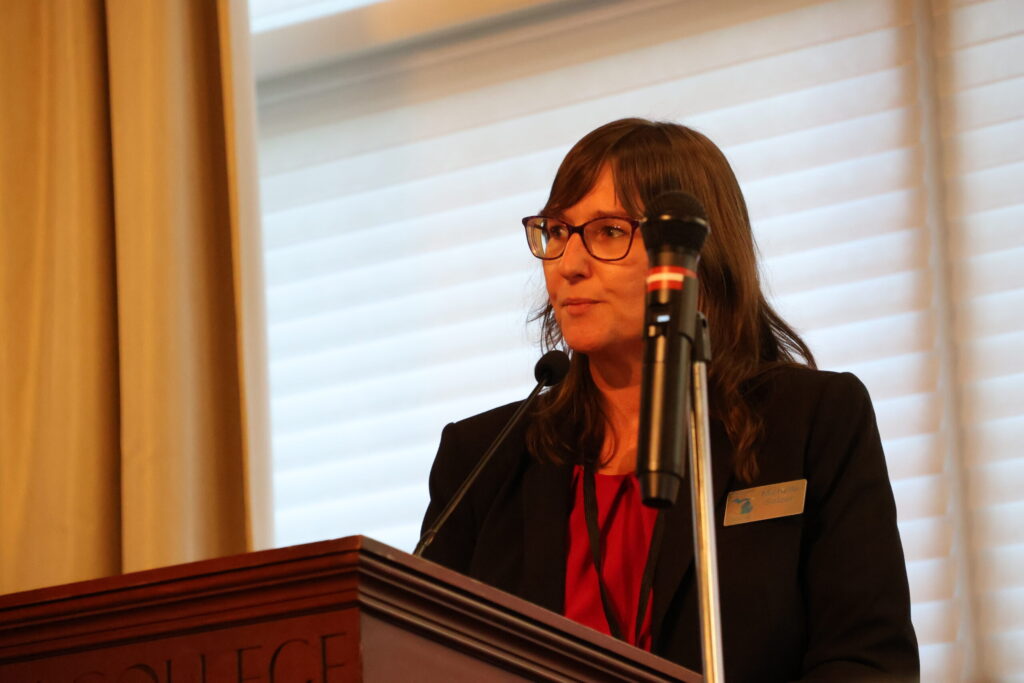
(667, 277)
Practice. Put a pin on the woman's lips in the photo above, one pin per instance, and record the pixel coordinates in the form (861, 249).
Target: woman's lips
(578, 306)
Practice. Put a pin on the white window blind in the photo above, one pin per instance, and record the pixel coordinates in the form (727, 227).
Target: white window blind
(980, 53)
(878, 143)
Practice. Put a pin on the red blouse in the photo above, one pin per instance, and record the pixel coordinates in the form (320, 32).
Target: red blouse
(626, 526)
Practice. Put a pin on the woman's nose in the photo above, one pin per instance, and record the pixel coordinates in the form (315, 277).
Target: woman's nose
(575, 261)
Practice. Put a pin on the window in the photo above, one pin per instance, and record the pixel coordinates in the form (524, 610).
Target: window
(880, 145)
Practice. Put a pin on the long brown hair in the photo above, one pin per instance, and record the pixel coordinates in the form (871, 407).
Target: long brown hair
(748, 338)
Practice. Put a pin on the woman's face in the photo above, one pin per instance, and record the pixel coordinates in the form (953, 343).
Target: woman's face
(599, 305)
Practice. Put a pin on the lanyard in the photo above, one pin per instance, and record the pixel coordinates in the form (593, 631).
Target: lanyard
(594, 534)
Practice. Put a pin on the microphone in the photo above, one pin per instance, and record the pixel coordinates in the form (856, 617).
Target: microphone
(549, 371)
(674, 231)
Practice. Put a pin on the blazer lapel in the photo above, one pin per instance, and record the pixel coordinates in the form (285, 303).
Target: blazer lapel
(546, 508)
(676, 558)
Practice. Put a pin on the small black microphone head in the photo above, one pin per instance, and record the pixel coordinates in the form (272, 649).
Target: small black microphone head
(552, 368)
(675, 219)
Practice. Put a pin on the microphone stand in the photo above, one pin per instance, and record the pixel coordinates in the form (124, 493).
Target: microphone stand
(549, 371)
(429, 534)
(703, 504)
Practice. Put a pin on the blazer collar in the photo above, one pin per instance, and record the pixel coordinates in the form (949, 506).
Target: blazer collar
(676, 559)
(546, 506)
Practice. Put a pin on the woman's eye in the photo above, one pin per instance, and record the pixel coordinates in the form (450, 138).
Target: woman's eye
(556, 231)
(612, 230)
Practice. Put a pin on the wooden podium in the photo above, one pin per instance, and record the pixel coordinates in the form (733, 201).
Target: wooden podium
(350, 609)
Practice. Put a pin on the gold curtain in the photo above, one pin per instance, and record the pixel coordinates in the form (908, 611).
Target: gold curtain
(132, 389)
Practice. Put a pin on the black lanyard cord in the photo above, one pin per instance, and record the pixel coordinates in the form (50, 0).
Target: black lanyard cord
(594, 534)
(590, 512)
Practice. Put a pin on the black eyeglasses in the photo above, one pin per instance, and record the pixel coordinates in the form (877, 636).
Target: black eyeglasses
(607, 238)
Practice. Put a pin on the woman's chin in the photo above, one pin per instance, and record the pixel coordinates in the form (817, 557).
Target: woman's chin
(583, 344)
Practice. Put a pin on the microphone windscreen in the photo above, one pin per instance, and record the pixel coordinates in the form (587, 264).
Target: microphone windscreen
(676, 219)
(552, 367)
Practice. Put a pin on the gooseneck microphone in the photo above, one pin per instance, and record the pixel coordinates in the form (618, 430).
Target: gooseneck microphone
(549, 371)
(674, 231)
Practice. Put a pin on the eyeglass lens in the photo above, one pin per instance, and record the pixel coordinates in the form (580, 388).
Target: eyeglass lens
(605, 238)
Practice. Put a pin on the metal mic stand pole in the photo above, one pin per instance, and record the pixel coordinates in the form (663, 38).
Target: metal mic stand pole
(703, 502)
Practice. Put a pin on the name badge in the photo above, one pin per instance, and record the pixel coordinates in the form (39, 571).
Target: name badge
(765, 502)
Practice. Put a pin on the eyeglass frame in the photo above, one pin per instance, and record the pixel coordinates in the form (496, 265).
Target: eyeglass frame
(634, 224)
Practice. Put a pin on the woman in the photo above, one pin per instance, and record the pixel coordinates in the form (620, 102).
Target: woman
(818, 592)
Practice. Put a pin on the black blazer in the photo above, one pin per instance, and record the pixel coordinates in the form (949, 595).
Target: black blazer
(820, 596)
